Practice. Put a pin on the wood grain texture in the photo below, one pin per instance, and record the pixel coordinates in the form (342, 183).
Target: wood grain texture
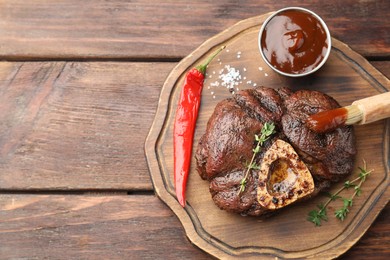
(76, 125)
(346, 76)
(118, 227)
(164, 29)
(382, 66)
(375, 244)
(71, 126)
(90, 227)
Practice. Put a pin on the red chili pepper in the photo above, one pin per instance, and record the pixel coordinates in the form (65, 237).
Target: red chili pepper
(184, 127)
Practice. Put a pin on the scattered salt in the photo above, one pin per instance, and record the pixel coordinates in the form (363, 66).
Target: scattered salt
(265, 74)
(230, 78)
(214, 84)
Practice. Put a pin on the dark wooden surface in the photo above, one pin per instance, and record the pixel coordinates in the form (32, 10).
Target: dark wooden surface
(79, 85)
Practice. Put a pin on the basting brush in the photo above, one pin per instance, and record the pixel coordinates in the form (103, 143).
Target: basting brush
(361, 112)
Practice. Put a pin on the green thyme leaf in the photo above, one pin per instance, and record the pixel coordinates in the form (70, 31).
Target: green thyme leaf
(358, 191)
(348, 184)
(333, 197)
(266, 131)
(347, 202)
(314, 217)
(341, 213)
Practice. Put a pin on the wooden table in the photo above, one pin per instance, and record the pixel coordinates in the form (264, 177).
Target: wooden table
(79, 87)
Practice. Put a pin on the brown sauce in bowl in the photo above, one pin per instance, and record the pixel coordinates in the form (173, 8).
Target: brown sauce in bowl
(294, 42)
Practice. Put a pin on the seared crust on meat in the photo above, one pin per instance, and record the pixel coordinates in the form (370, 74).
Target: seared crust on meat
(226, 147)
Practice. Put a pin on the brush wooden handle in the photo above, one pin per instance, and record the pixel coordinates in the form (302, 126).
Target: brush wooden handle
(374, 108)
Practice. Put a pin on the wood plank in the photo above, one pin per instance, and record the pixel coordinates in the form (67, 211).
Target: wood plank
(90, 227)
(66, 29)
(76, 125)
(89, 124)
(118, 227)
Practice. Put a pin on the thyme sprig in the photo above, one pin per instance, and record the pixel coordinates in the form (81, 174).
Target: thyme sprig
(316, 216)
(266, 131)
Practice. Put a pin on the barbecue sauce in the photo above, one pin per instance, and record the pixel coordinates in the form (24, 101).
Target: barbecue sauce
(294, 42)
(327, 120)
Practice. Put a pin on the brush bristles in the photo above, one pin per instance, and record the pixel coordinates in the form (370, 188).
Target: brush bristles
(354, 116)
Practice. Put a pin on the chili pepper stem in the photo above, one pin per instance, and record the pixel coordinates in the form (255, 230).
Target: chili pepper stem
(202, 68)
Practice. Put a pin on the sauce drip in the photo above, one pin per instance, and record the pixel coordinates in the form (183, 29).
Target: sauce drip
(327, 120)
(294, 42)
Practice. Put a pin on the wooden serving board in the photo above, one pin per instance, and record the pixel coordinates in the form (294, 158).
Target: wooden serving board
(347, 77)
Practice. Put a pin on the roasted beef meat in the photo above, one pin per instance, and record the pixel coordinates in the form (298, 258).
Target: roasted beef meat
(226, 147)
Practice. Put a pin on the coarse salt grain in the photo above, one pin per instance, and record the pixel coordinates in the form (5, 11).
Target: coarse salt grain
(230, 78)
(244, 69)
(260, 68)
(214, 84)
(265, 74)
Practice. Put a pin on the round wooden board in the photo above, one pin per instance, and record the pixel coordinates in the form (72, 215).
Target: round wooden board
(347, 77)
